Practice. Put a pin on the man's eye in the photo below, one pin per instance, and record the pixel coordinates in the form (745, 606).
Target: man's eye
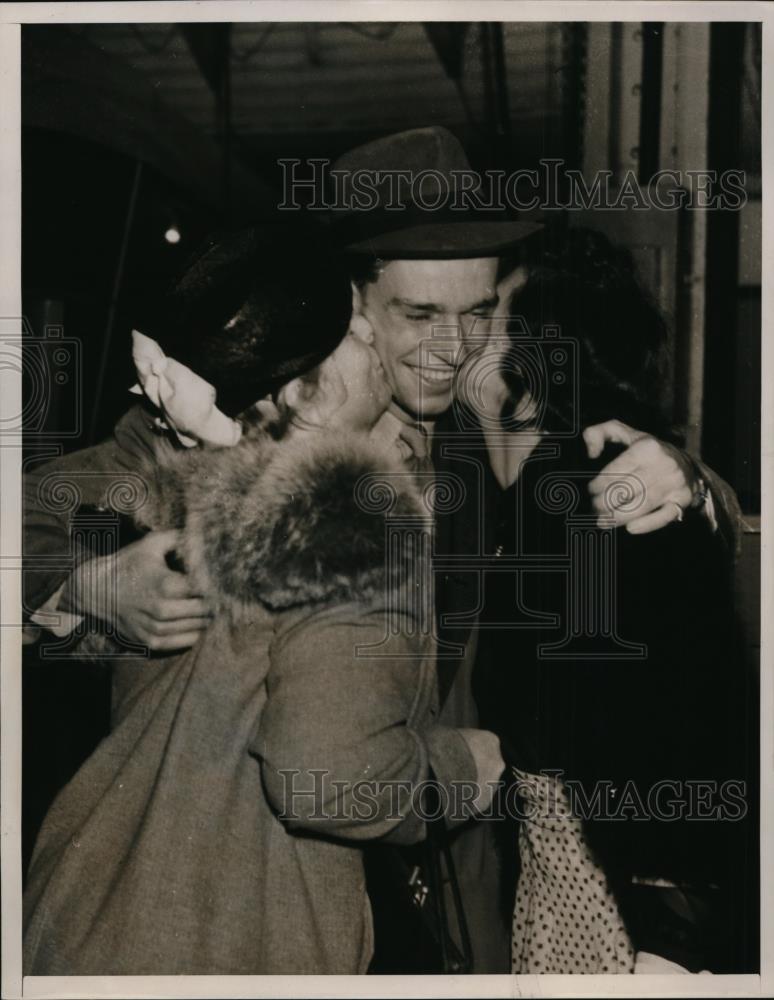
(418, 317)
(483, 313)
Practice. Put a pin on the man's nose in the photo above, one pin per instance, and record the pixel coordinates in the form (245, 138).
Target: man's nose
(452, 335)
(455, 328)
(445, 344)
(449, 332)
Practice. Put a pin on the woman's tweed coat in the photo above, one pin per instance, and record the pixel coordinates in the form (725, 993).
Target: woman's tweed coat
(205, 834)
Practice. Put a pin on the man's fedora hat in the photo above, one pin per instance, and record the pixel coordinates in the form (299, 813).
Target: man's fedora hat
(402, 197)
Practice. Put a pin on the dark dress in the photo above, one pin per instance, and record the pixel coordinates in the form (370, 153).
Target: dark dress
(635, 692)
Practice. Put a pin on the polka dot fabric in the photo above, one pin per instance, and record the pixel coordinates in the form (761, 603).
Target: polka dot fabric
(565, 919)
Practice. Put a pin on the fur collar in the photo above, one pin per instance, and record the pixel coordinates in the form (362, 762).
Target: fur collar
(291, 522)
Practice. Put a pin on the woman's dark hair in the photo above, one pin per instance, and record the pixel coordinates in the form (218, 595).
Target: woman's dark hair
(585, 291)
(255, 309)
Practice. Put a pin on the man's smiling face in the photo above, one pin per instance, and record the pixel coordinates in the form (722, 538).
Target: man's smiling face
(423, 313)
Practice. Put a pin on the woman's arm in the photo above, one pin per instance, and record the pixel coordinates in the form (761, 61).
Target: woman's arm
(346, 739)
(65, 579)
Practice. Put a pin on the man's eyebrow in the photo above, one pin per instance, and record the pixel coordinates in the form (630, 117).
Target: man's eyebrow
(424, 306)
(489, 303)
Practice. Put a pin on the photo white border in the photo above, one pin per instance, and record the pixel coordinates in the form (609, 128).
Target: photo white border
(11, 16)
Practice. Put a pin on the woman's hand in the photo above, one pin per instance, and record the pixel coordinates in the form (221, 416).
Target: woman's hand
(658, 479)
(485, 750)
(136, 591)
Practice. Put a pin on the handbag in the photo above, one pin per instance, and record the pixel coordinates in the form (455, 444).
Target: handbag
(417, 905)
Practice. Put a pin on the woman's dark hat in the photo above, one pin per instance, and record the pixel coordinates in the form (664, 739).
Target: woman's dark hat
(404, 197)
(254, 310)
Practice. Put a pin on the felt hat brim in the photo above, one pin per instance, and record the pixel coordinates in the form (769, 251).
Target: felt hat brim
(445, 241)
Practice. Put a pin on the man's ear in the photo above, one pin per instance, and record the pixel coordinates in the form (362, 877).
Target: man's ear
(359, 324)
(357, 300)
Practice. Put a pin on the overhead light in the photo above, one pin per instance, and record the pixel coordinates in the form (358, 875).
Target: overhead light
(172, 235)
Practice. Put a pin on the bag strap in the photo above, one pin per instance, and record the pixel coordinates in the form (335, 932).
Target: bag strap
(440, 857)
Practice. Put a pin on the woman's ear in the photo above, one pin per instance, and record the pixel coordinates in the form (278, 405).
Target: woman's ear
(314, 406)
(290, 394)
(302, 404)
(509, 285)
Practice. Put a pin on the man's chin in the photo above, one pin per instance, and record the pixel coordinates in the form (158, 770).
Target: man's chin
(426, 408)
(421, 402)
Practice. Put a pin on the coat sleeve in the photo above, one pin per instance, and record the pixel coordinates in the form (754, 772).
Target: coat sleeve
(346, 739)
(726, 509)
(54, 490)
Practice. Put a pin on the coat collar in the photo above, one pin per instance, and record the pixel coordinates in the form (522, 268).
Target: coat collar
(298, 521)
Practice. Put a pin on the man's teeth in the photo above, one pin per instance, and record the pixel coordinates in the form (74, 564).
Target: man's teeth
(436, 373)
